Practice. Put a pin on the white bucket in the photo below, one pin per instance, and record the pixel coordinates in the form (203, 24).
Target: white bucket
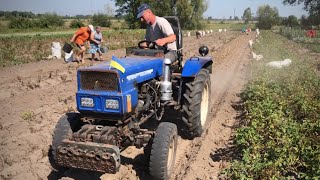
(68, 57)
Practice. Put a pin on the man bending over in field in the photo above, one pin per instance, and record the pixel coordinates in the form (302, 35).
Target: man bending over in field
(80, 37)
(159, 31)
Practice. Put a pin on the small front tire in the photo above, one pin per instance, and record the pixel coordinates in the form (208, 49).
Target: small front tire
(163, 151)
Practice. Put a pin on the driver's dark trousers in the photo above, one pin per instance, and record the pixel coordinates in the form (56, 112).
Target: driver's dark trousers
(172, 55)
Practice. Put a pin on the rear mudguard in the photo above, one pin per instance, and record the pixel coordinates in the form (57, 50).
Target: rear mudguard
(193, 66)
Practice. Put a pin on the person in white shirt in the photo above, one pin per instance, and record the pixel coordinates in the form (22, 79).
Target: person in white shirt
(159, 31)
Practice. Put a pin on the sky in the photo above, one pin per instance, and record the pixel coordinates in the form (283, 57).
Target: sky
(217, 8)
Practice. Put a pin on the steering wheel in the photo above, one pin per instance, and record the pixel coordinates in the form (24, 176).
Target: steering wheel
(150, 45)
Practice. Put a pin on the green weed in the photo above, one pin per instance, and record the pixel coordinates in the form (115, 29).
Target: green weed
(28, 116)
(280, 134)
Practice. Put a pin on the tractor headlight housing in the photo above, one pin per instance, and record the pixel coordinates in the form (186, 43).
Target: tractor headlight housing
(87, 102)
(112, 104)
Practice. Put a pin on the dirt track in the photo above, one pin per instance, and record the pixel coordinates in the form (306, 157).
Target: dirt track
(34, 96)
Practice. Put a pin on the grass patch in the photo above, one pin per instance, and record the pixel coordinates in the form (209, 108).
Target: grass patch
(35, 47)
(229, 25)
(28, 116)
(299, 36)
(279, 136)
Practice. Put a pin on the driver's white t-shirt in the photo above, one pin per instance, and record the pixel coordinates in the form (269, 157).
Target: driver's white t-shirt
(160, 29)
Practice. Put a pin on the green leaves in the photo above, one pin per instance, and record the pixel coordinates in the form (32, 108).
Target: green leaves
(280, 134)
(267, 17)
(23, 49)
(189, 12)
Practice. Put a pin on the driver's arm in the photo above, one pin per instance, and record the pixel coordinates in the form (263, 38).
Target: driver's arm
(161, 42)
(167, 30)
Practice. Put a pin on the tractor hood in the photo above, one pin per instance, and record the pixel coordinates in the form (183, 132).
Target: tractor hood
(115, 83)
(132, 69)
(119, 75)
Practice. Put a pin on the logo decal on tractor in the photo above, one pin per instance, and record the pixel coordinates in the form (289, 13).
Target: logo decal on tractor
(139, 74)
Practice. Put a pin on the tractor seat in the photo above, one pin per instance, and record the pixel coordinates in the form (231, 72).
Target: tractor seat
(175, 24)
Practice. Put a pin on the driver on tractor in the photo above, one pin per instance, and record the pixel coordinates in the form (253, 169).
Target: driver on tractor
(159, 31)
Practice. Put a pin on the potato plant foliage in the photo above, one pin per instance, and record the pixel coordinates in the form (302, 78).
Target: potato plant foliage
(23, 49)
(279, 136)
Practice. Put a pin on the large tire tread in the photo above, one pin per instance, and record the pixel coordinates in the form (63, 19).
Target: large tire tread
(192, 103)
(64, 129)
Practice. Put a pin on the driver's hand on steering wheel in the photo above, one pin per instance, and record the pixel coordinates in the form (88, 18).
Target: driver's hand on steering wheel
(144, 45)
(160, 42)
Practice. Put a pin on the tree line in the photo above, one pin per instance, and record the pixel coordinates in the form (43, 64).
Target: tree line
(268, 16)
(189, 12)
(25, 20)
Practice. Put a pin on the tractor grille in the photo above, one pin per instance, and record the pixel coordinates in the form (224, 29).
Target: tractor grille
(99, 81)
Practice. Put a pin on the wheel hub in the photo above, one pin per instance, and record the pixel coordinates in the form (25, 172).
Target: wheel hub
(204, 104)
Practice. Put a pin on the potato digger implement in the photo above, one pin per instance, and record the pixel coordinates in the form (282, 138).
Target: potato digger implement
(126, 102)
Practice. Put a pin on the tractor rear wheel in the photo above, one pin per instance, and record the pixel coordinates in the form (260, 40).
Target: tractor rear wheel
(66, 125)
(163, 151)
(196, 104)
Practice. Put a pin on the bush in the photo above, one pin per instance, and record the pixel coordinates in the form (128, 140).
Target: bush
(50, 20)
(267, 17)
(45, 21)
(21, 23)
(76, 23)
(101, 20)
(24, 49)
(291, 21)
(279, 137)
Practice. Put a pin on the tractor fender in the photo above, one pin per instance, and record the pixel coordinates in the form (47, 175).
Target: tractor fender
(193, 66)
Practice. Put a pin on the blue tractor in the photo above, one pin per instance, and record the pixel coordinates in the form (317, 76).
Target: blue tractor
(128, 104)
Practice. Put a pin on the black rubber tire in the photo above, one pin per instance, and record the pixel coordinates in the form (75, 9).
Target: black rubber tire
(66, 125)
(166, 135)
(192, 103)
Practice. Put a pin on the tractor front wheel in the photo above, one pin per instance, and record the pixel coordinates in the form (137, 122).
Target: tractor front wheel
(163, 151)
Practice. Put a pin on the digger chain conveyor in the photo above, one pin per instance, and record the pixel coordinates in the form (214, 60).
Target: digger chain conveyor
(89, 155)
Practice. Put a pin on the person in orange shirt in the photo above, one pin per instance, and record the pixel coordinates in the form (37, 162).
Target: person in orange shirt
(80, 37)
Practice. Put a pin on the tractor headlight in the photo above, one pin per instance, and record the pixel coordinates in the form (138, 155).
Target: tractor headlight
(87, 102)
(112, 104)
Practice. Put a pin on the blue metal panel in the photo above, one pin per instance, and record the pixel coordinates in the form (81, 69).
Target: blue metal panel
(99, 101)
(133, 65)
(138, 69)
(193, 66)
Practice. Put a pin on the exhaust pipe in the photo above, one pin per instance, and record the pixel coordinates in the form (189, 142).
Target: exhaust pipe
(166, 84)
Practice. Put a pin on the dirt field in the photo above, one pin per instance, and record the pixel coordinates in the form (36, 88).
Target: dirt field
(34, 96)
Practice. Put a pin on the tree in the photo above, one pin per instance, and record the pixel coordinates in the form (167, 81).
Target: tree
(267, 17)
(76, 23)
(304, 21)
(291, 21)
(101, 20)
(247, 15)
(128, 9)
(50, 20)
(312, 6)
(189, 12)
(108, 9)
(236, 18)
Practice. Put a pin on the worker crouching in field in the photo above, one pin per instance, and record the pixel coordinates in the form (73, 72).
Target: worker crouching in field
(95, 44)
(82, 35)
